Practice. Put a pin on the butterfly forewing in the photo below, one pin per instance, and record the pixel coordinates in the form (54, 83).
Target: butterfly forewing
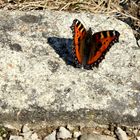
(79, 34)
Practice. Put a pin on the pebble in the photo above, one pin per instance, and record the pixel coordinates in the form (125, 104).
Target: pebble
(51, 136)
(135, 132)
(28, 134)
(9, 126)
(25, 128)
(13, 137)
(63, 133)
(34, 136)
(70, 132)
(121, 134)
(70, 127)
(139, 42)
(77, 134)
(95, 137)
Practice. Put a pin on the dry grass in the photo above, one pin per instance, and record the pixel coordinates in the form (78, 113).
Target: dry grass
(128, 8)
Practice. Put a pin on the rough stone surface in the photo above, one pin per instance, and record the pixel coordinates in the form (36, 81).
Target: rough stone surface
(38, 82)
(95, 137)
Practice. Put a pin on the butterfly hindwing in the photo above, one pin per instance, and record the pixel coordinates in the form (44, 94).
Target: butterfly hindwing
(103, 41)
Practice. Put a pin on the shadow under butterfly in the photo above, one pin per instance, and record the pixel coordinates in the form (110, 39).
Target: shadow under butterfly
(63, 47)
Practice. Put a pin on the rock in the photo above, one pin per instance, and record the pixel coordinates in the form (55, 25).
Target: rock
(36, 63)
(138, 42)
(70, 127)
(63, 133)
(121, 134)
(52, 136)
(138, 138)
(9, 126)
(28, 134)
(1, 138)
(13, 137)
(96, 137)
(135, 132)
(34, 136)
(25, 128)
(77, 134)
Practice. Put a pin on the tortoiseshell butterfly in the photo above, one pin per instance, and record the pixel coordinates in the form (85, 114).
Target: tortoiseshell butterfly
(90, 49)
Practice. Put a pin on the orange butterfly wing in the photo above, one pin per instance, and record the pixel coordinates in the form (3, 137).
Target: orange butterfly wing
(102, 43)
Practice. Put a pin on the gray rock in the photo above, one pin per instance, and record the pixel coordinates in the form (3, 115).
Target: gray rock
(52, 136)
(39, 82)
(25, 129)
(121, 134)
(95, 137)
(13, 137)
(28, 134)
(63, 133)
(70, 127)
(139, 42)
(77, 134)
(34, 136)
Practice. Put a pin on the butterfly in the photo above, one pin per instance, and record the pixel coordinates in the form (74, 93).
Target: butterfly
(90, 49)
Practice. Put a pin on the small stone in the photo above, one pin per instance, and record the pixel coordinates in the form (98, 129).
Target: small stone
(9, 126)
(34, 136)
(135, 131)
(107, 132)
(25, 128)
(12, 137)
(51, 136)
(96, 137)
(129, 132)
(63, 133)
(70, 127)
(77, 134)
(28, 134)
(139, 42)
(121, 134)
(1, 138)
(138, 138)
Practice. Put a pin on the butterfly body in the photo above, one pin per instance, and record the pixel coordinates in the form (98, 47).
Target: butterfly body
(89, 49)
